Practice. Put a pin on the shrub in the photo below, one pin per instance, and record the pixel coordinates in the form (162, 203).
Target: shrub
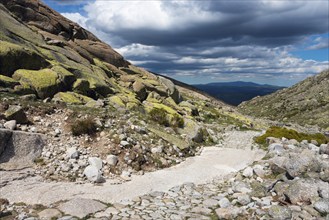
(177, 121)
(83, 126)
(159, 115)
(279, 132)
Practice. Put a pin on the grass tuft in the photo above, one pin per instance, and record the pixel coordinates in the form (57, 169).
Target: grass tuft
(279, 132)
(83, 126)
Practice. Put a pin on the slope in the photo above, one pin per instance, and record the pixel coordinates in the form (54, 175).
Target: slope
(305, 103)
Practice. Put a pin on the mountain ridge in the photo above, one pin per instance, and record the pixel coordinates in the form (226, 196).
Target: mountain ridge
(234, 93)
(306, 102)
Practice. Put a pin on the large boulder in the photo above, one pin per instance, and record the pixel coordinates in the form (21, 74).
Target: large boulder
(171, 89)
(46, 82)
(19, 149)
(14, 57)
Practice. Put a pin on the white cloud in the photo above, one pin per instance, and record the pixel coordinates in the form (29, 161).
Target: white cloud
(77, 17)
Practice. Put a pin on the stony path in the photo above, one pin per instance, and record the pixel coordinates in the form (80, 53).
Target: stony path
(213, 163)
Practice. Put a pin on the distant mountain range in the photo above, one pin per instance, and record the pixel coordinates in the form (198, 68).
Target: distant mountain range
(234, 93)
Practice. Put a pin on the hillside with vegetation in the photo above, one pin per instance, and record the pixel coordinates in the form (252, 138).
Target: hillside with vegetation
(306, 103)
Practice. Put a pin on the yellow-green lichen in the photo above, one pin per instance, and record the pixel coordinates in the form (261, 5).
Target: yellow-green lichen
(45, 82)
(72, 98)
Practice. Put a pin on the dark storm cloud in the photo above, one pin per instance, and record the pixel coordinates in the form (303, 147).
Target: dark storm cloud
(212, 39)
(243, 22)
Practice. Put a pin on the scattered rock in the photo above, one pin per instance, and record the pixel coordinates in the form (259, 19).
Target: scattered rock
(96, 162)
(93, 174)
(11, 125)
(72, 153)
(112, 160)
(322, 206)
(248, 172)
(280, 212)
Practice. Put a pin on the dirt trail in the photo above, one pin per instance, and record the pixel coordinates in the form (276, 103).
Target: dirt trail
(213, 162)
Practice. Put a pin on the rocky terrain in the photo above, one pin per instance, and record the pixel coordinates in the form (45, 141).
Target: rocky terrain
(85, 134)
(306, 103)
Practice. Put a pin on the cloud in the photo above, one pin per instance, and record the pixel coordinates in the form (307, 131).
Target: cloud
(212, 39)
(319, 43)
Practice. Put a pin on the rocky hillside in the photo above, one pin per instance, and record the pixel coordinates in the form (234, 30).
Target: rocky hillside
(305, 103)
(93, 106)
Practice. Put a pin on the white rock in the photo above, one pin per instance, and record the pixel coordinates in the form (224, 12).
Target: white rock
(11, 125)
(259, 170)
(157, 150)
(276, 148)
(93, 174)
(124, 143)
(112, 160)
(313, 147)
(72, 153)
(224, 203)
(248, 172)
(96, 162)
(57, 131)
(125, 175)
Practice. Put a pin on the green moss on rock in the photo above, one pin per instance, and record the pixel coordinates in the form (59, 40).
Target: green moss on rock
(45, 82)
(7, 82)
(72, 98)
(14, 57)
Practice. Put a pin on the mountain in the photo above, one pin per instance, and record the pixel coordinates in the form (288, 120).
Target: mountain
(234, 93)
(306, 102)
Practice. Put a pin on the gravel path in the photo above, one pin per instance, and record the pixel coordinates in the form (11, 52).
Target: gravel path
(213, 162)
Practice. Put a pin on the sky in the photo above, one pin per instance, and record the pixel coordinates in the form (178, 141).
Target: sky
(278, 42)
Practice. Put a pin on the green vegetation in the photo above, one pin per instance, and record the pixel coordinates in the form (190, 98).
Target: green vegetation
(177, 121)
(83, 126)
(279, 132)
(159, 115)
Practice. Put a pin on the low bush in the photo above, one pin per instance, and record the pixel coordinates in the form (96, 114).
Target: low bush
(159, 115)
(84, 126)
(279, 132)
(177, 121)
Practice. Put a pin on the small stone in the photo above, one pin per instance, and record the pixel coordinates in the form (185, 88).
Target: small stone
(49, 214)
(280, 212)
(125, 143)
(112, 160)
(243, 199)
(96, 162)
(11, 125)
(248, 172)
(72, 153)
(157, 150)
(125, 175)
(224, 203)
(276, 148)
(322, 206)
(324, 149)
(93, 174)
(57, 132)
